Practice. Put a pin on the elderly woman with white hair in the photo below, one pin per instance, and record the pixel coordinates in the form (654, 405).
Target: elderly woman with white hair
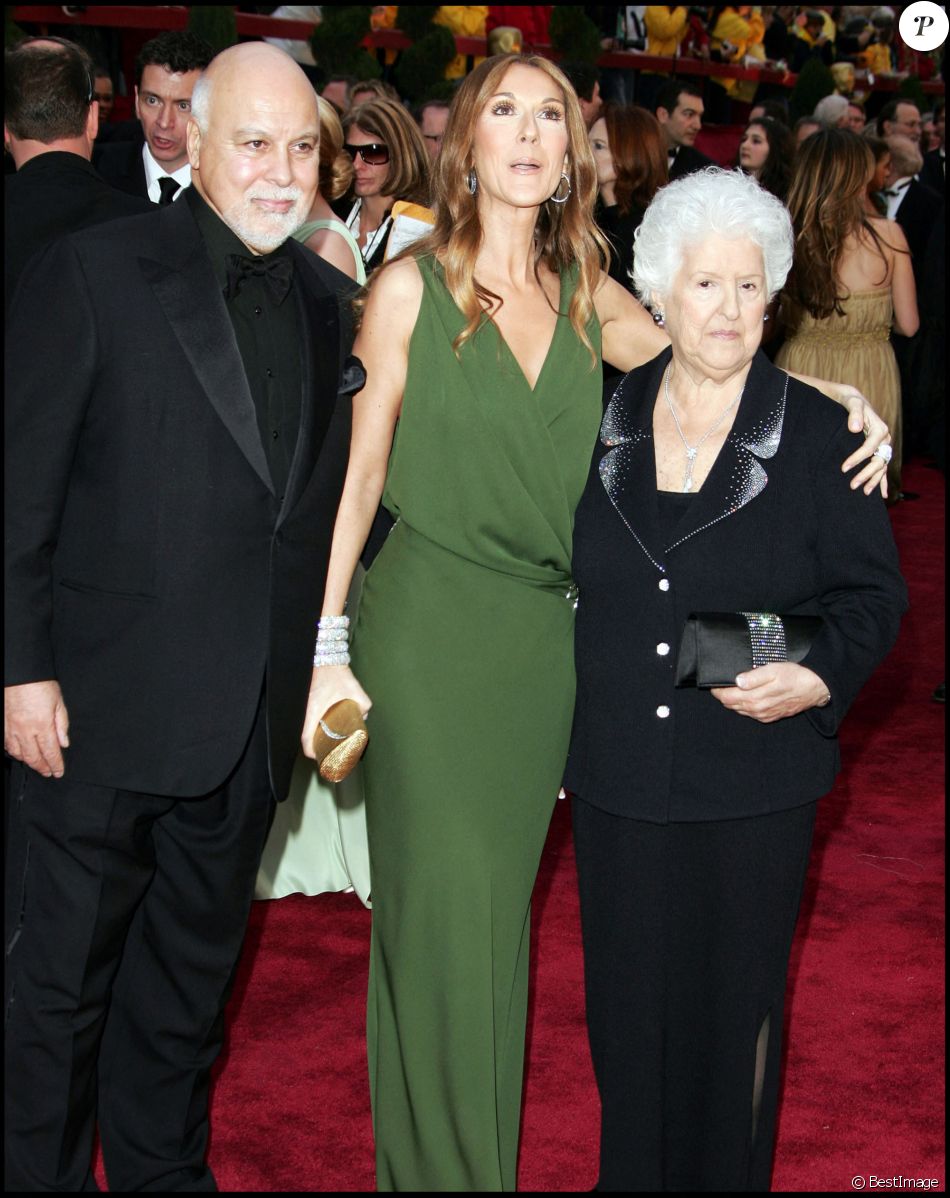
(735, 594)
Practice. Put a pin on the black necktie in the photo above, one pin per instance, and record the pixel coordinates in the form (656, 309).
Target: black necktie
(167, 186)
(276, 270)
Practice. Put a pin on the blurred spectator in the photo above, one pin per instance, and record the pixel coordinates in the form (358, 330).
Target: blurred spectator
(911, 203)
(584, 79)
(679, 110)
(901, 117)
(50, 118)
(877, 202)
(666, 27)
(856, 117)
(390, 162)
(812, 41)
(778, 32)
(463, 20)
(337, 91)
(881, 57)
(737, 34)
(934, 170)
(774, 109)
(105, 94)
(803, 128)
(432, 117)
(832, 111)
(372, 89)
(630, 156)
(324, 232)
(855, 33)
(766, 152)
(155, 164)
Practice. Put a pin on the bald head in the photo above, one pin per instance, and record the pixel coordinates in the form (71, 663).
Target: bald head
(906, 158)
(253, 142)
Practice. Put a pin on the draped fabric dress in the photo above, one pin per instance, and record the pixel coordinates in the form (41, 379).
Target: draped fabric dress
(464, 643)
(854, 348)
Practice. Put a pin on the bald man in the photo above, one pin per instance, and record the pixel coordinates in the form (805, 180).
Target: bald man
(178, 422)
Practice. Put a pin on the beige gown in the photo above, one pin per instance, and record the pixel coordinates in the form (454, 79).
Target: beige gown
(854, 348)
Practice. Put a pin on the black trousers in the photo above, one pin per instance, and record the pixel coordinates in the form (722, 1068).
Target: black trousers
(125, 918)
(687, 931)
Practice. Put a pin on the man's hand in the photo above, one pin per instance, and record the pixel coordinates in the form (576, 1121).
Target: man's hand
(36, 726)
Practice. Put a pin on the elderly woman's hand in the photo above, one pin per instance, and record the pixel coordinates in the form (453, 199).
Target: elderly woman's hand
(774, 692)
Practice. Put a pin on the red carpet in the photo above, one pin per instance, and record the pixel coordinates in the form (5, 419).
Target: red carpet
(864, 1062)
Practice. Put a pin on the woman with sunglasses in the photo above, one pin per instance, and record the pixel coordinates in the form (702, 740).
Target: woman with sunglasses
(484, 341)
(390, 163)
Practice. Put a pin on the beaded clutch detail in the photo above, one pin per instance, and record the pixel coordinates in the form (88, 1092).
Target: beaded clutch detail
(340, 740)
(718, 645)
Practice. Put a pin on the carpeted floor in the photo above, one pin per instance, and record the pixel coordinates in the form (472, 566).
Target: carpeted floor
(864, 1058)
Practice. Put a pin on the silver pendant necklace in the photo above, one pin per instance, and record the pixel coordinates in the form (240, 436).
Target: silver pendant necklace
(693, 450)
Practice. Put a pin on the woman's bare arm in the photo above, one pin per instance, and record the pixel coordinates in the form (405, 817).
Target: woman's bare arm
(630, 337)
(383, 347)
(903, 284)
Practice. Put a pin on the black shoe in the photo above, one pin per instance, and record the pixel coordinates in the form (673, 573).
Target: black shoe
(940, 693)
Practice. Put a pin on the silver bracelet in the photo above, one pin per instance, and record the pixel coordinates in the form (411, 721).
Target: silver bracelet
(332, 645)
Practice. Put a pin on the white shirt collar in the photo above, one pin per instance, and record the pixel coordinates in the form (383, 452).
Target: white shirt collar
(155, 171)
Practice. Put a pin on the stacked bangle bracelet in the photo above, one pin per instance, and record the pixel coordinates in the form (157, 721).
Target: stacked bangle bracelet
(332, 647)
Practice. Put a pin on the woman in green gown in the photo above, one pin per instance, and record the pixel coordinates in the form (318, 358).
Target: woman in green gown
(485, 344)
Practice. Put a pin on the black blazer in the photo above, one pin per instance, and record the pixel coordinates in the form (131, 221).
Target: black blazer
(775, 527)
(688, 159)
(933, 174)
(49, 196)
(918, 211)
(121, 164)
(150, 567)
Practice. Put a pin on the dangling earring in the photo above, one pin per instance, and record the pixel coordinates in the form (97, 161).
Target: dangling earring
(765, 318)
(472, 181)
(658, 317)
(565, 178)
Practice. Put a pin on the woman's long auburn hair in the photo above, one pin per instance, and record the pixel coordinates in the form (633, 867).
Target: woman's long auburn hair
(565, 233)
(827, 205)
(636, 146)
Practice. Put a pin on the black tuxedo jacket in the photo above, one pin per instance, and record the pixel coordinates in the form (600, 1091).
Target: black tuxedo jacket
(49, 196)
(775, 527)
(688, 159)
(916, 215)
(120, 163)
(151, 568)
(932, 175)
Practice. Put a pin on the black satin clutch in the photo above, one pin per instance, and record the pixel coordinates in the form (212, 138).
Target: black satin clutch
(718, 645)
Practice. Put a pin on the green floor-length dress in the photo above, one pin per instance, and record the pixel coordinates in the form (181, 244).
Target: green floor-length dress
(464, 643)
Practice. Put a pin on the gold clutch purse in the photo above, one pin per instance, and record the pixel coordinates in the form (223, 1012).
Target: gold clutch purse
(340, 740)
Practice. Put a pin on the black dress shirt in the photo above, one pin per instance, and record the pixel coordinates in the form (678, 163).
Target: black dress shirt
(268, 336)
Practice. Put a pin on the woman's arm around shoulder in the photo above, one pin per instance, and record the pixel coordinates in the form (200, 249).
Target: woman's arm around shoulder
(630, 337)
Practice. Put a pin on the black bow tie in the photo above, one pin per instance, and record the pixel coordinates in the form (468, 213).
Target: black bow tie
(276, 270)
(896, 191)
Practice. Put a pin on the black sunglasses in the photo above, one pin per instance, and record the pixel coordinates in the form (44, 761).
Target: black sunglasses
(374, 154)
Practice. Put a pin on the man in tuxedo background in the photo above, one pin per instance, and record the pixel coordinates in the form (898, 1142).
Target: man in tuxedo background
(679, 110)
(154, 162)
(50, 122)
(177, 432)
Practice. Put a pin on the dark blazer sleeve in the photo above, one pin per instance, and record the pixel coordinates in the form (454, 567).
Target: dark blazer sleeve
(41, 440)
(862, 593)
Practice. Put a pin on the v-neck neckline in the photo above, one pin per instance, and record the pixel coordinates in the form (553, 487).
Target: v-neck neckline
(547, 357)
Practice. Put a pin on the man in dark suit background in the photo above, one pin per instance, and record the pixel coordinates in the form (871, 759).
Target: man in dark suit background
(679, 110)
(934, 171)
(50, 123)
(177, 438)
(154, 163)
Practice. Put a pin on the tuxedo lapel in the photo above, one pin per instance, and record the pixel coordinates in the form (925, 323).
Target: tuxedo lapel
(738, 476)
(181, 276)
(320, 360)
